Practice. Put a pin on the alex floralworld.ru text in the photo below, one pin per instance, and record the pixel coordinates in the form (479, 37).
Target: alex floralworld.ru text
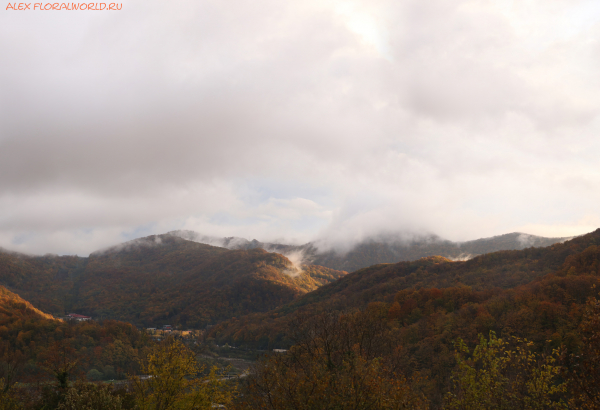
(64, 6)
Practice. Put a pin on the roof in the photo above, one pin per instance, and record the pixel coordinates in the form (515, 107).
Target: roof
(79, 316)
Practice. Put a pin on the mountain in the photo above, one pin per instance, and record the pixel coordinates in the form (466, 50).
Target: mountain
(486, 275)
(162, 279)
(257, 298)
(537, 294)
(179, 279)
(234, 242)
(390, 248)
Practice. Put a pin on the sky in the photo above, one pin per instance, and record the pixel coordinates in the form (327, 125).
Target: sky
(298, 121)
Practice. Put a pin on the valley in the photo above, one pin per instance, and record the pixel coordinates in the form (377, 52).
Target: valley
(247, 303)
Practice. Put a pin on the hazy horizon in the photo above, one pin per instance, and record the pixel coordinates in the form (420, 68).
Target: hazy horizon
(321, 244)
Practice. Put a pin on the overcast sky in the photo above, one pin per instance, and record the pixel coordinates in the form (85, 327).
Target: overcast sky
(298, 120)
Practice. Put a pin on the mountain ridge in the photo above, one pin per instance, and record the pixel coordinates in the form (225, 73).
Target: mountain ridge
(486, 275)
(160, 278)
(391, 248)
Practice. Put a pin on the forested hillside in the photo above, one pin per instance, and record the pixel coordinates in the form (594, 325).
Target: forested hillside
(162, 279)
(489, 273)
(45, 281)
(396, 327)
(34, 345)
(192, 284)
(538, 294)
(14, 308)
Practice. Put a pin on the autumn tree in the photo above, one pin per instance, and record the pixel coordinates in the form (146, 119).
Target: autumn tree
(173, 380)
(61, 360)
(505, 375)
(338, 362)
(11, 363)
(8, 401)
(583, 368)
(90, 397)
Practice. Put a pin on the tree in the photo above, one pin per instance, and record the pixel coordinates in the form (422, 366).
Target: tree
(500, 375)
(11, 363)
(61, 361)
(173, 380)
(7, 399)
(94, 375)
(338, 362)
(90, 396)
(583, 368)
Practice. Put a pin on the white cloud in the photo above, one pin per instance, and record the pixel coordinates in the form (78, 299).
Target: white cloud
(298, 120)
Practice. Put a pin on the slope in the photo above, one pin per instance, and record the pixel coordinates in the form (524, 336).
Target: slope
(31, 342)
(14, 308)
(162, 279)
(478, 279)
(46, 281)
(166, 279)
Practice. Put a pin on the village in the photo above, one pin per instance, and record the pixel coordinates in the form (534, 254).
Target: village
(168, 330)
(156, 333)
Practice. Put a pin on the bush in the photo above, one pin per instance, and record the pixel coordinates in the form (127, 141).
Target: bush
(95, 375)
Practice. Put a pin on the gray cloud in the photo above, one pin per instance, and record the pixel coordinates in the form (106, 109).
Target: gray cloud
(297, 121)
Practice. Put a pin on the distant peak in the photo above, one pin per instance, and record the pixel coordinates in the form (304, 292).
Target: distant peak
(145, 242)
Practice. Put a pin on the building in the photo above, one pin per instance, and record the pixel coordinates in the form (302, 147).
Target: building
(78, 317)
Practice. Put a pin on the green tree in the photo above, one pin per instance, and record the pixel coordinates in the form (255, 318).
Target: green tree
(109, 372)
(499, 375)
(94, 375)
(173, 380)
